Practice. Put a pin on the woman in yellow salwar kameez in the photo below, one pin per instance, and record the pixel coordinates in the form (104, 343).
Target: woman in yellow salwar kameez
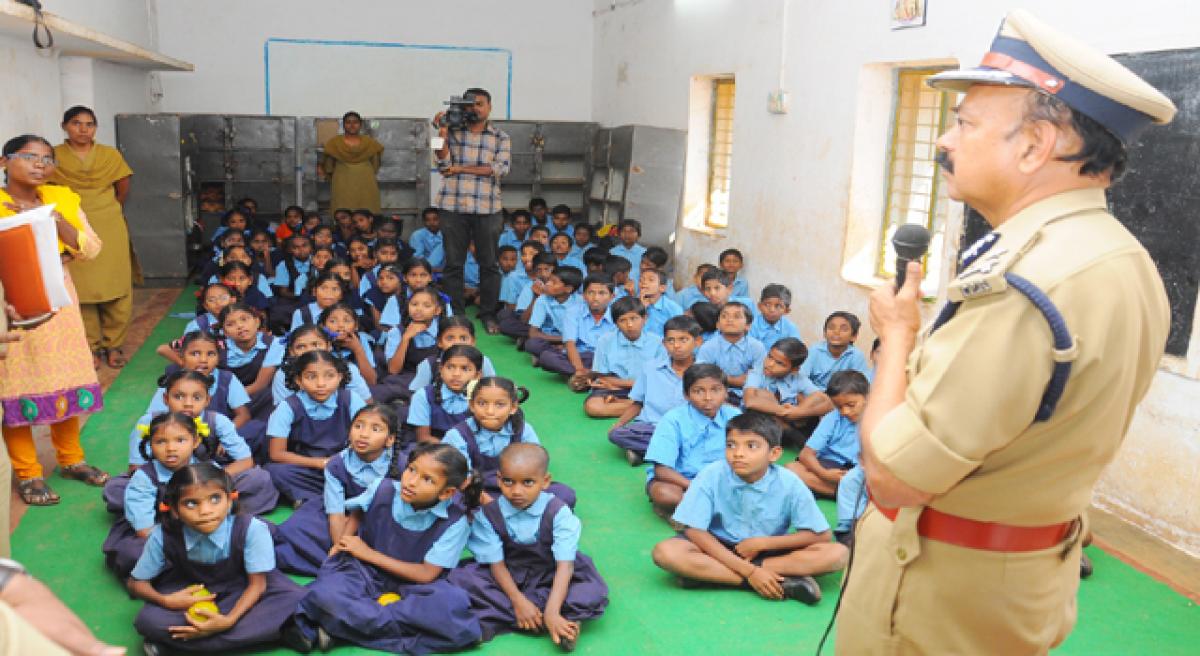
(100, 176)
(351, 161)
(47, 377)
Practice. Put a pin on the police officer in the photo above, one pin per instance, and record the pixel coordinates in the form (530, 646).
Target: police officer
(984, 436)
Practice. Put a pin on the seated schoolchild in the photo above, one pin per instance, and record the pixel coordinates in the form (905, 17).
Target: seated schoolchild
(657, 389)
(688, 437)
(292, 223)
(751, 523)
(311, 426)
(233, 220)
(731, 262)
(560, 221)
(618, 269)
(630, 232)
(322, 237)
(387, 251)
(511, 287)
(427, 242)
(718, 289)
(250, 355)
(409, 533)
(388, 281)
(581, 234)
(834, 446)
(364, 224)
(652, 290)
(241, 278)
(206, 551)
(348, 340)
(495, 421)
(507, 259)
(656, 257)
(518, 232)
(213, 298)
(706, 314)
(305, 338)
(303, 541)
(222, 244)
(689, 296)
(317, 261)
(734, 351)
(583, 327)
(417, 274)
(201, 352)
(771, 323)
(851, 504)
(539, 211)
(409, 344)
(620, 356)
(837, 352)
(443, 403)
(541, 234)
(361, 255)
(775, 387)
(326, 289)
(169, 443)
(451, 331)
(594, 259)
(527, 572)
(291, 279)
(546, 317)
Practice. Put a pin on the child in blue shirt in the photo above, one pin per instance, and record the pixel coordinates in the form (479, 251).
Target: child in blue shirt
(751, 522)
(348, 341)
(201, 351)
(451, 331)
(528, 572)
(560, 246)
(718, 289)
(408, 344)
(689, 296)
(250, 355)
(657, 389)
(326, 289)
(731, 262)
(771, 323)
(511, 287)
(706, 314)
(518, 232)
(307, 338)
(834, 446)
(688, 437)
(837, 352)
(291, 279)
(584, 325)
(427, 242)
(548, 314)
(582, 236)
(775, 387)
(560, 221)
(734, 351)
(629, 248)
(205, 551)
(851, 503)
(618, 268)
(418, 274)
(594, 259)
(653, 291)
(213, 299)
(620, 356)
(443, 403)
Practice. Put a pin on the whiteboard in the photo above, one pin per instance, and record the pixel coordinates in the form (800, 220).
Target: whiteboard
(310, 77)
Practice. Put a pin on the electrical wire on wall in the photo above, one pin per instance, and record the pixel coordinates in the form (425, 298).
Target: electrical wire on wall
(39, 25)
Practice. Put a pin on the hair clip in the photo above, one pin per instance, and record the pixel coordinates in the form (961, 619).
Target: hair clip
(144, 429)
(199, 293)
(201, 428)
(470, 388)
(329, 334)
(233, 495)
(162, 507)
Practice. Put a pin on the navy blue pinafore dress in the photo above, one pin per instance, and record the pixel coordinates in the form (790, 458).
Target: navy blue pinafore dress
(489, 467)
(318, 438)
(302, 541)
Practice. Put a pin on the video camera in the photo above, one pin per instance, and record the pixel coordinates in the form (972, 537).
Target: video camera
(459, 114)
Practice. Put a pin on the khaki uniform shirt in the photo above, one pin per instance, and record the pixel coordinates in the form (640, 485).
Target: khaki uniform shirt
(966, 434)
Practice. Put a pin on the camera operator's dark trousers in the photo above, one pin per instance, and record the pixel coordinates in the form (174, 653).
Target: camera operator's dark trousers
(458, 231)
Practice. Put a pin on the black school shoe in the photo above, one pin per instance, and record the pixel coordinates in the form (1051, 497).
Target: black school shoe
(801, 588)
(152, 649)
(293, 638)
(633, 458)
(567, 645)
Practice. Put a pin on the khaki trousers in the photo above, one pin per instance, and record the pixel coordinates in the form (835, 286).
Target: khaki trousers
(106, 323)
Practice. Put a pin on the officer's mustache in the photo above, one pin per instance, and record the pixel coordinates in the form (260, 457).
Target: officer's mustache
(944, 161)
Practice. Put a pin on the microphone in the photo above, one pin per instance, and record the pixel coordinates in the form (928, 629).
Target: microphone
(911, 242)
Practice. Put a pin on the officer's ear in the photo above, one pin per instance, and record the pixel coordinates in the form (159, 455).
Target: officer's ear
(1040, 142)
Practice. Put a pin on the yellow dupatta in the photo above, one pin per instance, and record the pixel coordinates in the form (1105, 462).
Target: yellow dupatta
(66, 203)
(367, 148)
(99, 169)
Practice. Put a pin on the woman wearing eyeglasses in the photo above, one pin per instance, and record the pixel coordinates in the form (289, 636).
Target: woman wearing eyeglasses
(101, 177)
(48, 378)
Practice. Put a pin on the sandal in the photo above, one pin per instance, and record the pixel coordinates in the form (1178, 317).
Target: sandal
(491, 327)
(81, 471)
(115, 358)
(98, 357)
(35, 492)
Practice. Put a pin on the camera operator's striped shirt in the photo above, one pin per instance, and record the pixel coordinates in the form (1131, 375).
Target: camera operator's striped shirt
(475, 194)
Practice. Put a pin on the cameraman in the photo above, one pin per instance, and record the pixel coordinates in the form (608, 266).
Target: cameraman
(472, 160)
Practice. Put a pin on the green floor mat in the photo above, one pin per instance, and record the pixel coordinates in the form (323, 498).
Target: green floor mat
(1121, 610)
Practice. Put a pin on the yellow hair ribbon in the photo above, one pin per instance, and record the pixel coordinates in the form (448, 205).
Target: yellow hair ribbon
(144, 429)
(201, 428)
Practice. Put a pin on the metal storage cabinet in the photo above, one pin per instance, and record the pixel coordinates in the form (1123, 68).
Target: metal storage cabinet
(156, 209)
(549, 160)
(637, 173)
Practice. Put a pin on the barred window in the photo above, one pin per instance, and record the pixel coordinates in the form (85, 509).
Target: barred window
(720, 158)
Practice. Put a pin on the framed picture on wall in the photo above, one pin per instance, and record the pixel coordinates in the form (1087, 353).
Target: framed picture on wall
(907, 13)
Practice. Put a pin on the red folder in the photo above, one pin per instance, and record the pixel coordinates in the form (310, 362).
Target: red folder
(21, 272)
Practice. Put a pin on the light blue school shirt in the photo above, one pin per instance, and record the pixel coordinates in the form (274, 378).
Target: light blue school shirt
(786, 389)
(358, 385)
(572, 261)
(658, 389)
(283, 277)
(235, 357)
(446, 549)
(525, 298)
(193, 326)
(851, 498)
(368, 346)
(259, 552)
(141, 496)
(689, 296)
(280, 422)
(471, 271)
(769, 333)
(836, 439)
(513, 283)
(423, 339)
(548, 313)
(236, 398)
(659, 313)
(581, 327)
(719, 501)
(490, 443)
(361, 472)
(390, 315)
(633, 254)
(419, 411)
(741, 287)
(685, 440)
(429, 245)
(509, 238)
(368, 280)
(577, 252)
(298, 316)
(568, 230)
(624, 358)
(734, 358)
(260, 283)
(226, 433)
(821, 365)
(522, 526)
(424, 374)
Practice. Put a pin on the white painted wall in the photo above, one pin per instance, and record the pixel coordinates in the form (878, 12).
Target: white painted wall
(550, 40)
(792, 173)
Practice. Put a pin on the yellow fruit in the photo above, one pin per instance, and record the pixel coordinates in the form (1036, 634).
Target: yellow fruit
(194, 611)
(201, 591)
(388, 598)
